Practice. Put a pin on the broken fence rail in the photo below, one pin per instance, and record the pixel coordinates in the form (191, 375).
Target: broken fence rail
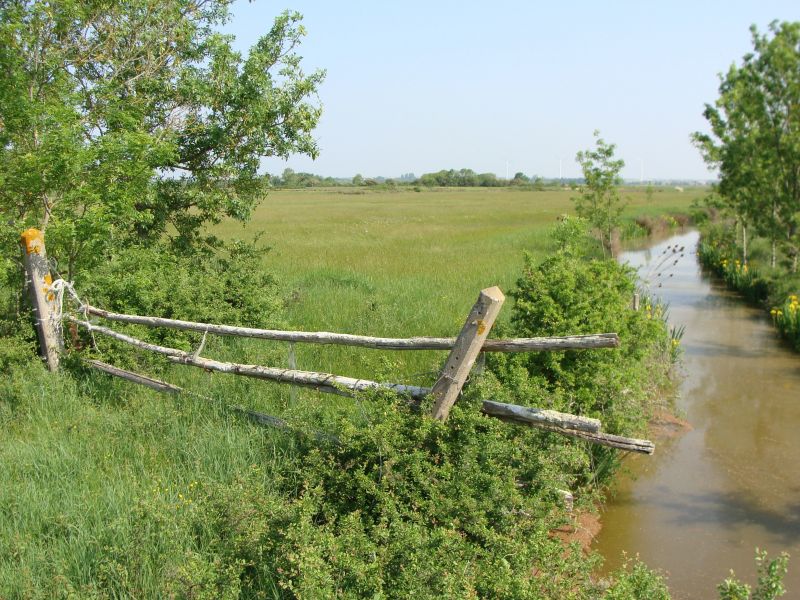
(570, 425)
(570, 342)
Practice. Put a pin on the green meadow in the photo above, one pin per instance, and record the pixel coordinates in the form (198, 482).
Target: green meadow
(405, 263)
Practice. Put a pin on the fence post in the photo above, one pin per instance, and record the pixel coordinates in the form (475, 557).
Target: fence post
(465, 351)
(42, 298)
(635, 303)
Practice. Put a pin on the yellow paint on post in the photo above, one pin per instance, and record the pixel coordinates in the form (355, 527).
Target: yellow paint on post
(47, 289)
(33, 240)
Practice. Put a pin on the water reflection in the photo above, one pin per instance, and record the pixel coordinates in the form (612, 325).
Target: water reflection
(702, 504)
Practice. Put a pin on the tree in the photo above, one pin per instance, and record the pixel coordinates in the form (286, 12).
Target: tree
(599, 201)
(358, 179)
(520, 179)
(755, 137)
(125, 122)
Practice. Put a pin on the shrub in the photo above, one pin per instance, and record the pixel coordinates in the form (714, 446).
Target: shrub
(230, 287)
(567, 294)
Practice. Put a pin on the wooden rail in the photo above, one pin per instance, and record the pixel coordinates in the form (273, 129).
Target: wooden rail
(464, 351)
(583, 428)
(324, 382)
(536, 344)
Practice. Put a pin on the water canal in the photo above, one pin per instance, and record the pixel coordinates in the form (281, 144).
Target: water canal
(702, 504)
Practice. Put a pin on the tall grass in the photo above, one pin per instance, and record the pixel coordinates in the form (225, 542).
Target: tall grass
(400, 263)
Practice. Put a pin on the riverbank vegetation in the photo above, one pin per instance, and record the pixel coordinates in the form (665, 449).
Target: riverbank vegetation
(755, 144)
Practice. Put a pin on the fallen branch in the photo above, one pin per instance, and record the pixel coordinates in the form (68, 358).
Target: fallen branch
(537, 344)
(160, 386)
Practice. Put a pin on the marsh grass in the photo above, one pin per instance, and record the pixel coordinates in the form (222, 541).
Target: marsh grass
(403, 263)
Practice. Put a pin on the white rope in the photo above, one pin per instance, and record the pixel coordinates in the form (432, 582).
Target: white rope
(58, 287)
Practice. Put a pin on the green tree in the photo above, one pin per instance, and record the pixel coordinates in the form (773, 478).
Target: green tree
(520, 179)
(358, 179)
(124, 122)
(599, 201)
(755, 137)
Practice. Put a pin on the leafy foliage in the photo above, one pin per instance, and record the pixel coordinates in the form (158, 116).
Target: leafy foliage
(755, 137)
(566, 295)
(599, 200)
(127, 121)
(227, 286)
(757, 282)
(770, 580)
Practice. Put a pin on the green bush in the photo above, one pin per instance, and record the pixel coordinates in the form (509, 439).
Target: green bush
(770, 580)
(776, 288)
(230, 287)
(567, 294)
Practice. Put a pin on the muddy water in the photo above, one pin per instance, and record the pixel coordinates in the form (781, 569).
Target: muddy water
(701, 505)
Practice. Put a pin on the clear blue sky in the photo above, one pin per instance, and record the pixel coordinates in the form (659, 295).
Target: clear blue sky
(421, 86)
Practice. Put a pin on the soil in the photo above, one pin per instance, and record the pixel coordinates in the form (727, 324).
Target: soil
(584, 526)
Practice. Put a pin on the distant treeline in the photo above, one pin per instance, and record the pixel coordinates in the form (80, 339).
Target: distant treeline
(443, 178)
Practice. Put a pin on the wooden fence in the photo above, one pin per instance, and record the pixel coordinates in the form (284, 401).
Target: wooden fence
(463, 352)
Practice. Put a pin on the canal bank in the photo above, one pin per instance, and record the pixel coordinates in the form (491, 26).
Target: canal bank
(708, 498)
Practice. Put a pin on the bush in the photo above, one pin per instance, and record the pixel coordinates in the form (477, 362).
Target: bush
(567, 295)
(775, 288)
(230, 287)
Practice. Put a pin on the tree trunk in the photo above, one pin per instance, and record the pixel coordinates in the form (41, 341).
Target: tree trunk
(774, 252)
(744, 244)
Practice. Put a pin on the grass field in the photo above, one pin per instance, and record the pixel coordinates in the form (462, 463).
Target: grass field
(102, 480)
(402, 263)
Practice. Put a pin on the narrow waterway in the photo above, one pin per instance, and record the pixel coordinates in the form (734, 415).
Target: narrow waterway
(702, 504)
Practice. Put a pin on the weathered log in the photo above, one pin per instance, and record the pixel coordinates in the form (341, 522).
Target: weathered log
(539, 417)
(465, 350)
(607, 439)
(142, 345)
(160, 386)
(325, 382)
(537, 344)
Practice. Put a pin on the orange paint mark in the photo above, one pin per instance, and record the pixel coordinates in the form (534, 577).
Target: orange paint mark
(33, 240)
(481, 326)
(48, 282)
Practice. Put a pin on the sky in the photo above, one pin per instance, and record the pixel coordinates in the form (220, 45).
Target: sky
(510, 86)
